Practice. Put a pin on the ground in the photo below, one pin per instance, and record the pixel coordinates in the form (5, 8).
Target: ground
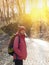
(38, 53)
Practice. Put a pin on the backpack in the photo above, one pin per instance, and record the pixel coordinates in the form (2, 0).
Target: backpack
(10, 47)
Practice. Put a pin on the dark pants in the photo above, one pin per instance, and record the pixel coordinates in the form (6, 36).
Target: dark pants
(19, 62)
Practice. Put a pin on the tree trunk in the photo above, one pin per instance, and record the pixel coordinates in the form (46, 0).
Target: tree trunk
(8, 21)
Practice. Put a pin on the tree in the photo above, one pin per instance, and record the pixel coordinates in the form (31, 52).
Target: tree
(4, 16)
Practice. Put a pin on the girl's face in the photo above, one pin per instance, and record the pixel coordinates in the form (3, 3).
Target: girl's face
(22, 32)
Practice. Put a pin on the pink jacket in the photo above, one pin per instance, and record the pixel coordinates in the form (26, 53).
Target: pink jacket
(21, 51)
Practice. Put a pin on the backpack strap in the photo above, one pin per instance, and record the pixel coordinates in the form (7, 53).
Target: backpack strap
(18, 41)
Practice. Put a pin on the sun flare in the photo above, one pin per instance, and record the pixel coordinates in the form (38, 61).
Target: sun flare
(37, 5)
(40, 4)
(38, 9)
(47, 3)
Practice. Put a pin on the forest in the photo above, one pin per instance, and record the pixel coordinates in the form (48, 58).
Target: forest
(33, 14)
